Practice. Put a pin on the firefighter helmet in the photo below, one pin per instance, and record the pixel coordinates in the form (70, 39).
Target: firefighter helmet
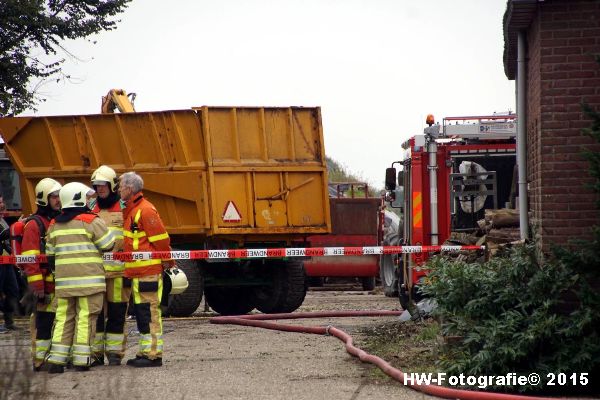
(74, 194)
(45, 188)
(179, 281)
(105, 174)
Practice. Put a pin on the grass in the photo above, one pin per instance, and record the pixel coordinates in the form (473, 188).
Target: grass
(409, 346)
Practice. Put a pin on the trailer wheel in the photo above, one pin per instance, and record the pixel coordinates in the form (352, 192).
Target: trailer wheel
(368, 283)
(388, 273)
(184, 304)
(287, 288)
(227, 300)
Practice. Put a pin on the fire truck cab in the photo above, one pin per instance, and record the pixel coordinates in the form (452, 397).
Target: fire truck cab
(448, 177)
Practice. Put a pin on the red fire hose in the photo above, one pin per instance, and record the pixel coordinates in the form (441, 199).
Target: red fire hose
(261, 321)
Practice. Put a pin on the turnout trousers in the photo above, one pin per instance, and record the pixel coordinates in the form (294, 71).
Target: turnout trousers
(40, 325)
(147, 292)
(110, 335)
(74, 329)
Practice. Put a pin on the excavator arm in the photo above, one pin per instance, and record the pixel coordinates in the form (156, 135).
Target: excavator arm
(117, 99)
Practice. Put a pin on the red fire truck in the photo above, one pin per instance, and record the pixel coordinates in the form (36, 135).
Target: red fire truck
(448, 177)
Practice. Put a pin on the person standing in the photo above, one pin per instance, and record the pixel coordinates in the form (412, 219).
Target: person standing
(9, 287)
(39, 276)
(74, 244)
(110, 328)
(143, 230)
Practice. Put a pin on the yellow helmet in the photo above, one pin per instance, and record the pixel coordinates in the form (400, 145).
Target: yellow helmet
(45, 188)
(179, 281)
(74, 194)
(105, 174)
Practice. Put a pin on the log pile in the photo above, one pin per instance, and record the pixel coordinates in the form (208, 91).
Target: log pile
(499, 228)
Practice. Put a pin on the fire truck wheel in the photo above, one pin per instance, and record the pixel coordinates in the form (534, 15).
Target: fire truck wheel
(388, 272)
(286, 290)
(368, 283)
(402, 292)
(184, 304)
(403, 297)
(229, 300)
(316, 281)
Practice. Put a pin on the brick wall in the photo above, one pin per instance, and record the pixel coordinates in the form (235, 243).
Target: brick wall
(562, 73)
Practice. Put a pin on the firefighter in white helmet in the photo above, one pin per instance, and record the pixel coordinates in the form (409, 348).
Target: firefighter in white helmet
(75, 242)
(110, 339)
(39, 276)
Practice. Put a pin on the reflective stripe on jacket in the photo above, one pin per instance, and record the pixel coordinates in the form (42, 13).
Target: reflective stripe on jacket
(143, 230)
(30, 246)
(113, 217)
(76, 246)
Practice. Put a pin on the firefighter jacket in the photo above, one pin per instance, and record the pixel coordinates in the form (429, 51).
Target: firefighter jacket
(113, 217)
(76, 246)
(143, 230)
(38, 274)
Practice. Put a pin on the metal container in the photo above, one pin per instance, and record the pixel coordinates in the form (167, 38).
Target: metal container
(251, 173)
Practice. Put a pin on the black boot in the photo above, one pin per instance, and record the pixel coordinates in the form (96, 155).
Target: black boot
(113, 359)
(97, 360)
(56, 369)
(143, 362)
(11, 306)
(9, 322)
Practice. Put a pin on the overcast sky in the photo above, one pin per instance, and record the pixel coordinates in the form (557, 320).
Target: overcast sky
(375, 67)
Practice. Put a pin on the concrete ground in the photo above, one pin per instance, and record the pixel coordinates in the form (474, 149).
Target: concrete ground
(206, 361)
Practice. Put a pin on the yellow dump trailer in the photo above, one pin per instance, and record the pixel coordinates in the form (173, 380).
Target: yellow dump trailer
(221, 177)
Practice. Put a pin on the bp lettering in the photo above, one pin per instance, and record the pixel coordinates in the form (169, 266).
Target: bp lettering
(218, 254)
(295, 252)
(257, 252)
(353, 251)
(26, 259)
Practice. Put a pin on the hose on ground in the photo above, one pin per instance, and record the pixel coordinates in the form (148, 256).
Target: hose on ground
(262, 321)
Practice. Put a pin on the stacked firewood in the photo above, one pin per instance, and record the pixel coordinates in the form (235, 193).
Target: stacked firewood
(498, 229)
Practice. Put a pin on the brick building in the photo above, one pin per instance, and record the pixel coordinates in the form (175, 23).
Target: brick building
(560, 39)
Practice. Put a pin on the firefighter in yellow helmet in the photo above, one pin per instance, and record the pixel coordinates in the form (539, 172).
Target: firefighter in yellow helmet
(110, 337)
(39, 276)
(75, 242)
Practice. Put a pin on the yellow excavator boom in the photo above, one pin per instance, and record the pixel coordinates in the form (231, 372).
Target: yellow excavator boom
(117, 99)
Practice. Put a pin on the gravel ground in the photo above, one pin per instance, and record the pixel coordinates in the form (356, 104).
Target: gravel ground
(206, 361)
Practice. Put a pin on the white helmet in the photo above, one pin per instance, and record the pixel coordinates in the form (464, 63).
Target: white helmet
(105, 174)
(74, 194)
(45, 188)
(179, 281)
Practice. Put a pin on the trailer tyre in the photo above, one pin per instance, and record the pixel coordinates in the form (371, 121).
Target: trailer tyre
(184, 304)
(287, 290)
(228, 300)
(368, 283)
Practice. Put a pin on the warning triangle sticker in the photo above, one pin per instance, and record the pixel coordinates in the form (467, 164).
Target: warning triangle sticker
(231, 213)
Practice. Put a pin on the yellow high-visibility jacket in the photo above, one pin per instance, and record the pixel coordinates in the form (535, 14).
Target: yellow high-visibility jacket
(76, 246)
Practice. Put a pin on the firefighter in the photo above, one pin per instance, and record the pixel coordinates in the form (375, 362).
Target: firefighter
(74, 244)
(143, 230)
(39, 276)
(110, 336)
